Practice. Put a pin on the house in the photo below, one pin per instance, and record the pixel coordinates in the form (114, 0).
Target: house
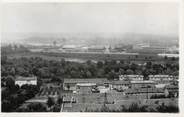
(73, 83)
(26, 80)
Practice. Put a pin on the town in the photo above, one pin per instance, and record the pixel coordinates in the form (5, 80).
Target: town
(115, 57)
(44, 85)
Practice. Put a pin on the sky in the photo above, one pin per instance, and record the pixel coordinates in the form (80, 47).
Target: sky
(148, 18)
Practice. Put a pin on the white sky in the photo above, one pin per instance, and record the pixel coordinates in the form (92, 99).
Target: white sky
(151, 18)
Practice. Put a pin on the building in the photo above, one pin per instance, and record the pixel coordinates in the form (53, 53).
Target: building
(172, 90)
(138, 91)
(120, 85)
(98, 49)
(73, 84)
(168, 55)
(25, 80)
(68, 99)
(131, 77)
(142, 84)
(84, 88)
(162, 77)
(69, 48)
(151, 77)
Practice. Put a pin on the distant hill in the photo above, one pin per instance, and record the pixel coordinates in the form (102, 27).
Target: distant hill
(88, 38)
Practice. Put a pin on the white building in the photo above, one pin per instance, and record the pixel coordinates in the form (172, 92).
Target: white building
(131, 77)
(162, 77)
(169, 55)
(26, 80)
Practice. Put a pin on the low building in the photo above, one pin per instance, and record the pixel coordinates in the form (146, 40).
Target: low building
(142, 84)
(162, 77)
(37, 100)
(71, 84)
(172, 90)
(168, 55)
(131, 77)
(98, 49)
(137, 91)
(161, 85)
(25, 80)
(120, 85)
(85, 87)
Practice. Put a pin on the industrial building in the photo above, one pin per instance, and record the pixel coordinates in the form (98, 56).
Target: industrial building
(26, 80)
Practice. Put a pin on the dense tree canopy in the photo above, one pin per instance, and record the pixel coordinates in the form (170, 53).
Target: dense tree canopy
(57, 70)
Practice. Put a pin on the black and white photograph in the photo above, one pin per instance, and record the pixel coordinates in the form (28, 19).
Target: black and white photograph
(90, 57)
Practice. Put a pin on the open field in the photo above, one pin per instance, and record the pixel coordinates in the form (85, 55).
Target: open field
(83, 57)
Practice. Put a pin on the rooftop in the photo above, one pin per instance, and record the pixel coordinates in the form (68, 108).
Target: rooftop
(132, 75)
(21, 78)
(142, 81)
(86, 80)
(145, 90)
(36, 100)
(86, 84)
(120, 82)
(171, 87)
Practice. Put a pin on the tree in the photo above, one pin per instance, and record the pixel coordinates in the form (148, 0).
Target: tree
(148, 65)
(68, 86)
(121, 71)
(4, 59)
(104, 108)
(89, 62)
(145, 74)
(169, 108)
(100, 73)
(133, 66)
(99, 64)
(136, 56)
(134, 107)
(10, 83)
(36, 107)
(50, 102)
(56, 79)
(60, 100)
(112, 75)
(12, 71)
(56, 108)
(122, 61)
(6, 106)
(88, 74)
(129, 71)
(173, 58)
